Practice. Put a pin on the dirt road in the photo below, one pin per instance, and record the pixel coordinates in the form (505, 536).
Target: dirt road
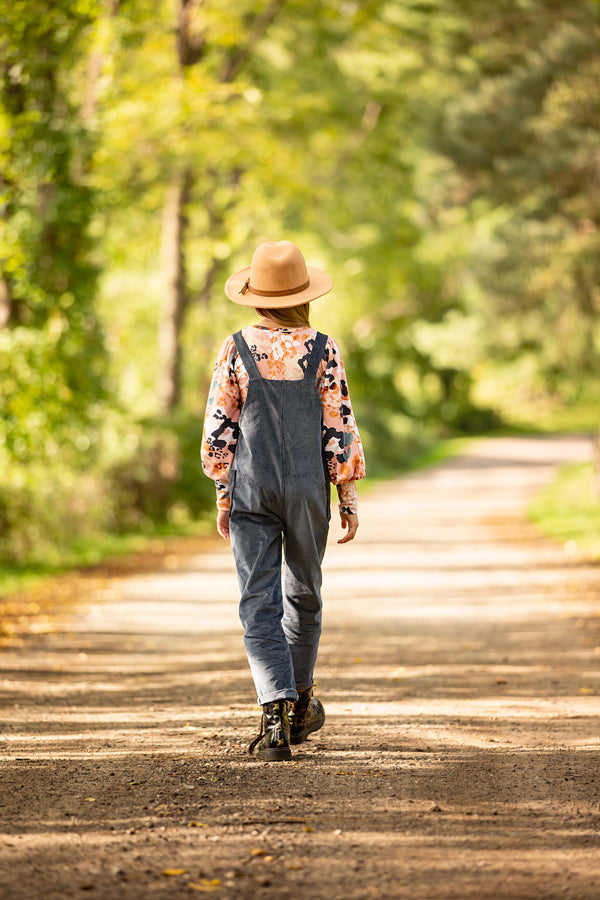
(460, 758)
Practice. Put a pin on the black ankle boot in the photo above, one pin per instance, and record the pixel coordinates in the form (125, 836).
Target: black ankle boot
(307, 715)
(273, 742)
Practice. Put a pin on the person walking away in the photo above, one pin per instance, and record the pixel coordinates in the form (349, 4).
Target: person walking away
(279, 427)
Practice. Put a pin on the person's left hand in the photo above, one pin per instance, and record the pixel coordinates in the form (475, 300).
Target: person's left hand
(223, 523)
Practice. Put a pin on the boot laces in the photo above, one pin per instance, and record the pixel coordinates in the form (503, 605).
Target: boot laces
(261, 735)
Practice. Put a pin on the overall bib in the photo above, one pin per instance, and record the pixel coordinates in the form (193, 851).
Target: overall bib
(280, 512)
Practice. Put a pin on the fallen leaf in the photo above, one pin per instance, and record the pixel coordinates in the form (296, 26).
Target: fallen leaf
(587, 690)
(358, 659)
(173, 871)
(501, 681)
(196, 825)
(205, 886)
(308, 828)
(90, 799)
(134, 782)
(258, 852)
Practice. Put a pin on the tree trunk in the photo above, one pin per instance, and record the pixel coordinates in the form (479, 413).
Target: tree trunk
(7, 305)
(191, 47)
(96, 59)
(175, 297)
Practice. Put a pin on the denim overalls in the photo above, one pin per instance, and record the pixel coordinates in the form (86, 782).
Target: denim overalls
(279, 492)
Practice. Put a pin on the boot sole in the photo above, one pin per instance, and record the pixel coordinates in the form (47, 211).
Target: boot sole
(275, 754)
(301, 736)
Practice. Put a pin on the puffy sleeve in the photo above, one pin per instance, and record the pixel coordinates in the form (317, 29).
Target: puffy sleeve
(341, 440)
(221, 423)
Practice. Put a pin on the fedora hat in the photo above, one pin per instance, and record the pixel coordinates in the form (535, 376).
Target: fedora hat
(278, 277)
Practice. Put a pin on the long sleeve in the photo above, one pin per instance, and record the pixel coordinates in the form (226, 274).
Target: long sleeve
(341, 440)
(221, 426)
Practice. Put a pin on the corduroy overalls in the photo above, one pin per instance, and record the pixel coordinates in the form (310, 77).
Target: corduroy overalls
(280, 512)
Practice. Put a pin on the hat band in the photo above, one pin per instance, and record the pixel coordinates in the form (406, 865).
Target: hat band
(247, 287)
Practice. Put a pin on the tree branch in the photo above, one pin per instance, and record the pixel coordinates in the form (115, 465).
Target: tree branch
(242, 54)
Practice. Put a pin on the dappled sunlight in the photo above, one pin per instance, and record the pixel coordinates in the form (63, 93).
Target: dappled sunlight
(458, 669)
(440, 162)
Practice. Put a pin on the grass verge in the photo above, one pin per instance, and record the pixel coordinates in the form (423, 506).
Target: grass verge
(568, 510)
(91, 552)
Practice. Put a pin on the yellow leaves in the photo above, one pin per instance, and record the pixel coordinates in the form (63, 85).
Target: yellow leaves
(587, 690)
(203, 885)
(193, 824)
(262, 853)
(308, 829)
(91, 799)
(133, 782)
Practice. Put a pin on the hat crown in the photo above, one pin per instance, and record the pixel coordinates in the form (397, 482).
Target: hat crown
(278, 274)
(278, 266)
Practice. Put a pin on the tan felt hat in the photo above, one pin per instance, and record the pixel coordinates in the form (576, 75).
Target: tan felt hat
(277, 278)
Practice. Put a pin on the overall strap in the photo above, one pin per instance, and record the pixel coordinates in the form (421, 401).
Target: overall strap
(316, 355)
(247, 358)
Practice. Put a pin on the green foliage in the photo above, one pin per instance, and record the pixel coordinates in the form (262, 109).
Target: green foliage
(144, 476)
(48, 274)
(42, 411)
(45, 508)
(437, 157)
(521, 135)
(162, 480)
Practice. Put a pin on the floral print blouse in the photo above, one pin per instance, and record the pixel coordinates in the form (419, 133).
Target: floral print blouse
(281, 353)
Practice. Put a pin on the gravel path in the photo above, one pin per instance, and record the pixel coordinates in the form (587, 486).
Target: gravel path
(460, 758)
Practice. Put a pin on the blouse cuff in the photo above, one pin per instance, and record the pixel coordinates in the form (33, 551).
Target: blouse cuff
(348, 497)
(223, 498)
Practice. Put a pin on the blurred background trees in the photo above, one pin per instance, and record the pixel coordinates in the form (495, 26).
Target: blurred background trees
(441, 159)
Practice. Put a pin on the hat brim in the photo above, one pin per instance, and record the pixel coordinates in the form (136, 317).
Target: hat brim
(319, 284)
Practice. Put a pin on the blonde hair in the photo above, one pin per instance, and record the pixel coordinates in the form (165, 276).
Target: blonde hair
(290, 317)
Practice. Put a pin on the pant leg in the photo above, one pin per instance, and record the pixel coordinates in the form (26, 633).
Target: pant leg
(256, 542)
(305, 539)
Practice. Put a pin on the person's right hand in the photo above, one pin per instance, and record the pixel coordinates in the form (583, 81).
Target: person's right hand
(223, 523)
(349, 521)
